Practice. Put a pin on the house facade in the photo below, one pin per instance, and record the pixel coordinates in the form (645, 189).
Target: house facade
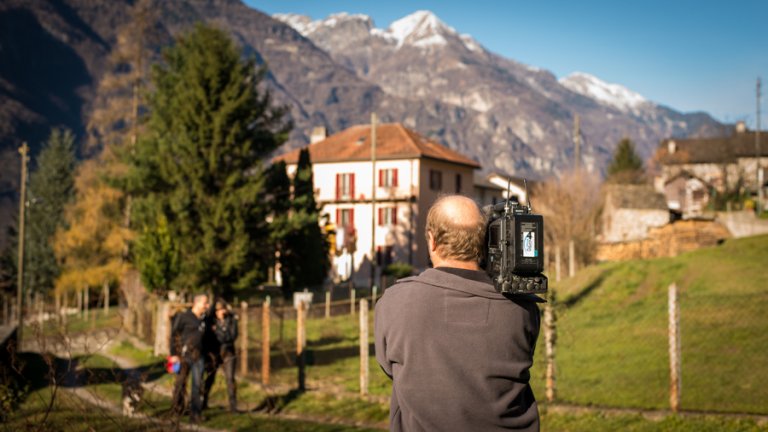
(379, 209)
(724, 164)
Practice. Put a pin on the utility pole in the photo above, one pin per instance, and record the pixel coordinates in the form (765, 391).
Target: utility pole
(758, 172)
(24, 150)
(576, 142)
(373, 200)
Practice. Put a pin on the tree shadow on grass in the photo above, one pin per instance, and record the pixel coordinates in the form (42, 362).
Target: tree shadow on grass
(586, 291)
(35, 371)
(286, 359)
(276, 403)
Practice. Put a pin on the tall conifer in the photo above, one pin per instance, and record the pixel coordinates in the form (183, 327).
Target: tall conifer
(51, 188)
(199, 164)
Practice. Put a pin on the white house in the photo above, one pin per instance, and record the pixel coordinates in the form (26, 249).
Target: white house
(382, 206)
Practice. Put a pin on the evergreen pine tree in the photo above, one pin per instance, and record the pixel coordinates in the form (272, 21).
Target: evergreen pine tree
(304, 257)
(51, 188)
(156, 254)
(280, 203)
(626, 166)
(200, 162)
(303, 184)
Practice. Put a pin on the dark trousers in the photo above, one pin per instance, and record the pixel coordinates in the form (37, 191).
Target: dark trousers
(194, 368)
(227, 363)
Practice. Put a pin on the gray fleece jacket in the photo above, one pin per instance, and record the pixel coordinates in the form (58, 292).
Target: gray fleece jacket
(458, 353)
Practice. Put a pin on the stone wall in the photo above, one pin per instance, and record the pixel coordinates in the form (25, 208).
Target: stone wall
(666, 241)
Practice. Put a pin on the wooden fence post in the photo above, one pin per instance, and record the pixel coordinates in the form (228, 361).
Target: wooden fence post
(363, 347)
(79, 295)
(571, 259)
(327, 304)
(550, 338)
(557, 263)
(300, 343)
(106, 298)
(86, 302)
(162, 329)
(675, 382)
(40, 309)
(265, 342)
(243, 338)
(352, 302)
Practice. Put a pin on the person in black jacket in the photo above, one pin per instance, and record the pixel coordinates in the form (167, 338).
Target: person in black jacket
(187, 348)
(458, 352)
(211, 355)
(222, 352)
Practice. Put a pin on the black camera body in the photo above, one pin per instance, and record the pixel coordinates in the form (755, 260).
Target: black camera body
(515, 248)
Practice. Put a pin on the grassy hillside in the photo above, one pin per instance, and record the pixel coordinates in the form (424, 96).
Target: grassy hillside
(612, 331)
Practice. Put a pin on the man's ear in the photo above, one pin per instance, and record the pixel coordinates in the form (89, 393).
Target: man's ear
(431, 241)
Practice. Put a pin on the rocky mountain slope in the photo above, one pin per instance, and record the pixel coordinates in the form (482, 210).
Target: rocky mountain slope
(521, 118)
(419, 71)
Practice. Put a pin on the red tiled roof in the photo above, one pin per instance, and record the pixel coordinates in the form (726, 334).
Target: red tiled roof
(393, 141)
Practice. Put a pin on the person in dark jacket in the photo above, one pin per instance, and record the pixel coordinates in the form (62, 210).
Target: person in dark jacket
(458, 351)
(187, 348)
(224, 330)
(211, 355)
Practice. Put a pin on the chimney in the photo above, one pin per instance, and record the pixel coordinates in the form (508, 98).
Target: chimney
(741, 127)
(318, 134)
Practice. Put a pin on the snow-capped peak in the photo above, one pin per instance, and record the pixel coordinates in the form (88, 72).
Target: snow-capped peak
(421, 28)
(614, 95)
(304, 24)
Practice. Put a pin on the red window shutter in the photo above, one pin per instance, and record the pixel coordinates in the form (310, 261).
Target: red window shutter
(352, 218)
(338, 187)
(381, 216)
(394, 215)
(338, 217)
(352, 185)
(381, 177)
(394, 177)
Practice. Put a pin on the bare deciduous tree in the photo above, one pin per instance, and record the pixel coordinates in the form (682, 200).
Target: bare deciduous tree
(570, 205)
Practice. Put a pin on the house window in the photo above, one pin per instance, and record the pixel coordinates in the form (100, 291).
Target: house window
(345, 217)
(387, 216)
(388, 177)
(435, 180)
(458, 183)
(345, 186)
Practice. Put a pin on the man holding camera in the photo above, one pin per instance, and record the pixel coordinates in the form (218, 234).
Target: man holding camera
(458, 351)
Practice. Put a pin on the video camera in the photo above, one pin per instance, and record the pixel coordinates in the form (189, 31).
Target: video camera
(515, 248)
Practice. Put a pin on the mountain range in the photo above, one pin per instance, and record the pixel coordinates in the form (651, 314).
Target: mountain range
(510, 117)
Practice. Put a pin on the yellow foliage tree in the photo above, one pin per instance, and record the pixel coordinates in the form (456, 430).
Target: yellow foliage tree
(90, 251)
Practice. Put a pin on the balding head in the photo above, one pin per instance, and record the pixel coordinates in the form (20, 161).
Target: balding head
(457, 228)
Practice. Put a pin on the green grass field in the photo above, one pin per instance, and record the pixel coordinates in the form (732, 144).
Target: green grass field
(611, 351)
(612, 331)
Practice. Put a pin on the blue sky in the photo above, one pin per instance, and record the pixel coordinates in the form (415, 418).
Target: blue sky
(690, 55)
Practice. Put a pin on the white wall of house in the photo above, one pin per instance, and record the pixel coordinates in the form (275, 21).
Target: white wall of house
(428, 193)
(411, 199)
(399, 236)
(514, 188)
